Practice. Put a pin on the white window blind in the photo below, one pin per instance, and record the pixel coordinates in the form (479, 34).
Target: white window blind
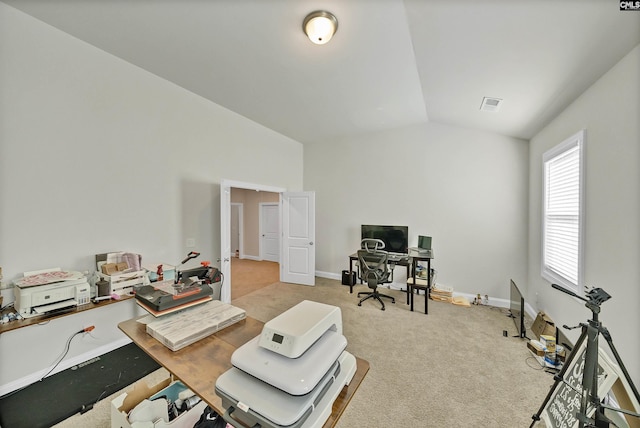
(563, 215)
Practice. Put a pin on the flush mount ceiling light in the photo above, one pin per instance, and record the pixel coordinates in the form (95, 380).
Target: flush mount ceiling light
(320, 26)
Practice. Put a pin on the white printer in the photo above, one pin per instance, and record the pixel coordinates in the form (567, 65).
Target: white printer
(291, 374)
(51, 290)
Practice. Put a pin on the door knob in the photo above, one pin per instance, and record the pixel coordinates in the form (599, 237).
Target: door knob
(310, 243)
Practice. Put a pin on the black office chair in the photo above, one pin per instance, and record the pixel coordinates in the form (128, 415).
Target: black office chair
(373, 268)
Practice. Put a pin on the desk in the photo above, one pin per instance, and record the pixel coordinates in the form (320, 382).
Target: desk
(199, 364)
(24, 322)
(405, 261)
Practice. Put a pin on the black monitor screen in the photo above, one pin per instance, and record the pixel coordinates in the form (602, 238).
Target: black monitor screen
(395, 238)
(516, 307)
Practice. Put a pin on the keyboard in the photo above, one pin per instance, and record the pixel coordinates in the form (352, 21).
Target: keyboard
(398, 257)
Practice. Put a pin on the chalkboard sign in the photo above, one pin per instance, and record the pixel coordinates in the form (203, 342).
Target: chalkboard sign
(561, 409)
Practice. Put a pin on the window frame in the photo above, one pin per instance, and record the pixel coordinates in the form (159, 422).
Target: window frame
(578, 141)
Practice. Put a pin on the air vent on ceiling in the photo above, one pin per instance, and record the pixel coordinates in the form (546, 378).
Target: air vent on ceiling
(490, 104)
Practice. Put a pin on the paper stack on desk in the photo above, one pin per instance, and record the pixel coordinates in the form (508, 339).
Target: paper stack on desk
(175, 331)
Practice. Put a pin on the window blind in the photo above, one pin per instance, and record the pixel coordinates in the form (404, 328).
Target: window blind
(562, 213)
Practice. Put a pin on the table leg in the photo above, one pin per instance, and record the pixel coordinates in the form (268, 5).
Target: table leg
(408, 275)
(410, 288)
(426, 301)
(350, 270)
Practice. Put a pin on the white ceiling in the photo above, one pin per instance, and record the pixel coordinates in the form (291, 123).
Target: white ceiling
(392, 63)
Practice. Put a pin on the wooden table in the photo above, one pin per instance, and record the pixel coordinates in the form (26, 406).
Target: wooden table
(199, 364)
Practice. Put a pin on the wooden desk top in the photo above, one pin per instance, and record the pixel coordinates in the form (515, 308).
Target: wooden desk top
(199, 364)
(24, 322)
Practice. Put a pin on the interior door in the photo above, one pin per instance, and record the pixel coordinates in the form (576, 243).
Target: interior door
(225, 241)
(298, 260)
(236, 230)
(270, 232)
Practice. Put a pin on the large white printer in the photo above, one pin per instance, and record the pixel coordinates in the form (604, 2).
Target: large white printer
(291, 374)
(50, 290)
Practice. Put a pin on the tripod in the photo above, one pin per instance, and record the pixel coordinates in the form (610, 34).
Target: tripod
(589, 399)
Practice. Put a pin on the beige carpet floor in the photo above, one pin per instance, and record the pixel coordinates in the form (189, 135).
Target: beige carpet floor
(450, 368)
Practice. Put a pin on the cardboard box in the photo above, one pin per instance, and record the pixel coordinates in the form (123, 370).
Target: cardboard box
(536, 347)
(109, 268)
(548, 342)
(123, 404)
(543, 325)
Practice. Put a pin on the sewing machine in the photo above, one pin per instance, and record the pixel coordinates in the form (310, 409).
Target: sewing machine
(52, 290)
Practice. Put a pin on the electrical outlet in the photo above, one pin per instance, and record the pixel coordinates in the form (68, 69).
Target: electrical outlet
(191, 243)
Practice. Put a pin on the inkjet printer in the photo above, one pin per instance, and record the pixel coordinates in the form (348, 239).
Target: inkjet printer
(50, 291)
(291, 374)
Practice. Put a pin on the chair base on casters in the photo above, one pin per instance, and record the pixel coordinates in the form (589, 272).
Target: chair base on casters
(374, 295)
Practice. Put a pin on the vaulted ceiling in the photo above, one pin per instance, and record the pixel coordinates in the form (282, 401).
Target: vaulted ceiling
(392, 63)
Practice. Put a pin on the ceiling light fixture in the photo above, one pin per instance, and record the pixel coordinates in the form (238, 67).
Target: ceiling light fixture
(320, 26)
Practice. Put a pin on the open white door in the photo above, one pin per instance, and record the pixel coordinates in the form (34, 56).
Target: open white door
(225, 241)
(298, 256)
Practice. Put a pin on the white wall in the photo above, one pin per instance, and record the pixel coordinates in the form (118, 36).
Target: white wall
(98, 155)
(609, 112)
(466, 189)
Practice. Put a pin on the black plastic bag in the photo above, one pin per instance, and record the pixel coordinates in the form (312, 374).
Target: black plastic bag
(210, 419)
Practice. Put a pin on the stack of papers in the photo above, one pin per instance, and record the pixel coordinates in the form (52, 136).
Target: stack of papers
(175, 331)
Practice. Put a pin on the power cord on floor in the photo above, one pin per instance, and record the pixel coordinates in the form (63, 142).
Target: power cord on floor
(537, 365)
(85, 330)
(66, 349)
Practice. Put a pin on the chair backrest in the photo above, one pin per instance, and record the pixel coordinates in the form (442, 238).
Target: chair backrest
(372, 244)
(374, 262)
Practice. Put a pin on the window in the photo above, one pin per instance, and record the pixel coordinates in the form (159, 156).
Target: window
(563, 217)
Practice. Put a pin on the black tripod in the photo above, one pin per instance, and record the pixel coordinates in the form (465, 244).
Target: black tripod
(589, 399)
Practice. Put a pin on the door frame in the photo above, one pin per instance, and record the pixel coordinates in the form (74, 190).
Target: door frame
(240, 228)
(225, 228)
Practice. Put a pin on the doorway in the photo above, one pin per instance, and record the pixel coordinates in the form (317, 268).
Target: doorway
(256, 263)
(251, 275)
(297, 223)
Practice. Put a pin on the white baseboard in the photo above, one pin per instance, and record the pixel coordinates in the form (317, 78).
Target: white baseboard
(65, 364)
(329, 275)
(493, 301)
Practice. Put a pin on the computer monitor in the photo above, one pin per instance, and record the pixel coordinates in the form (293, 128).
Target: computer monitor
(424, 242)
(395, 238)
(516, 309)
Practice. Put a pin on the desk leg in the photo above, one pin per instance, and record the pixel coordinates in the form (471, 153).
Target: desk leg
(350, 270)
(408, 276)
(410, 289)
(428, 290)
